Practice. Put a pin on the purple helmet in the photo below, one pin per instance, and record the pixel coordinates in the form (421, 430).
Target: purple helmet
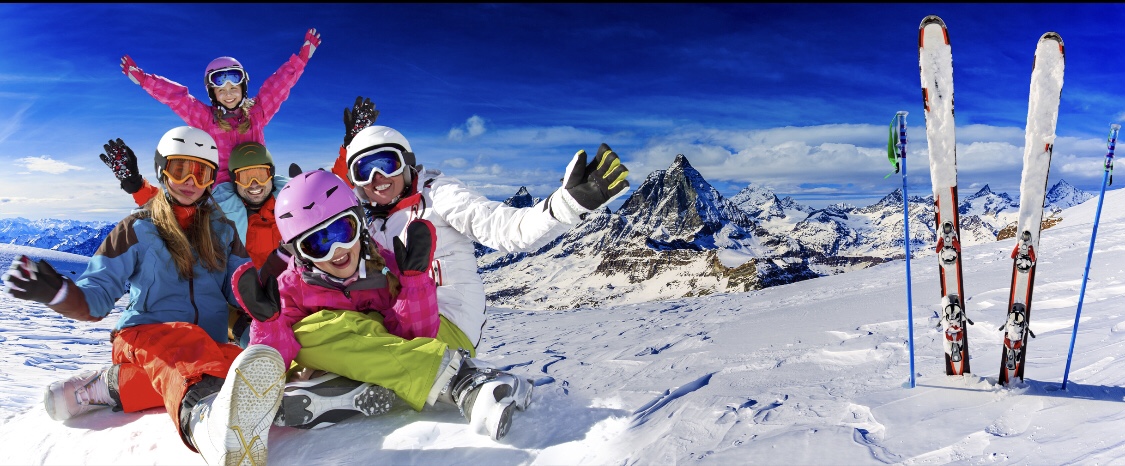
(308, 200)
(224, 69)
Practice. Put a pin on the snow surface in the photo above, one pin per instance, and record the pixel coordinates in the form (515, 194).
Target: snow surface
(815, 372)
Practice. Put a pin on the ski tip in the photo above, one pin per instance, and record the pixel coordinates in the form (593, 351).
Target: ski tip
(1053, 36)
(931, 20)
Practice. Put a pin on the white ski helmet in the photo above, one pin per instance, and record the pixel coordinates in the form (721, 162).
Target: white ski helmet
(380, 136)
(185, 141)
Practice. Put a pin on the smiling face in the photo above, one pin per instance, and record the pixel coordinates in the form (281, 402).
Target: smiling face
(255, 194)
(343, 263)
(185, 193)
(383, 190)
(229, 96)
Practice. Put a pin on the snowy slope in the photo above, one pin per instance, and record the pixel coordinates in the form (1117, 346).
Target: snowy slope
(813, 372)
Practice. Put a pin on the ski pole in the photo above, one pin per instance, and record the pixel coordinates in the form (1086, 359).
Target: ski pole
(900, 153)
(1112, 143)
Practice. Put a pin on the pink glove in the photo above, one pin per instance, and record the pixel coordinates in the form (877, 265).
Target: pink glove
(130, 69)
(312, 40)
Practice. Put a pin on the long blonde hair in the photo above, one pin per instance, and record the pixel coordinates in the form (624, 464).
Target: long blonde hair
(225, 125)
(185, 245)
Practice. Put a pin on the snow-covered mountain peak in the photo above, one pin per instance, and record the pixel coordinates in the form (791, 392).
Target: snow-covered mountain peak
(1063, 195)
(522, 198)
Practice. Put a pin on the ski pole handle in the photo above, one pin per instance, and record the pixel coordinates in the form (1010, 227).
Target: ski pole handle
(901, 116)
(1112, 144)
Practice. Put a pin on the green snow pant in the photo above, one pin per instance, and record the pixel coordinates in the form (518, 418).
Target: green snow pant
(356, 345)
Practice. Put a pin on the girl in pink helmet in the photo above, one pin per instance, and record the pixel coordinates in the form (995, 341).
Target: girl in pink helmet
(327, 294)
(231, 118)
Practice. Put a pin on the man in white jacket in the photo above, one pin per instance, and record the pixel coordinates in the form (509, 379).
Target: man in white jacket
(382, 166)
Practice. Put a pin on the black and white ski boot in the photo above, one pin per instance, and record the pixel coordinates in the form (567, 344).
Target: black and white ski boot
(328, 398)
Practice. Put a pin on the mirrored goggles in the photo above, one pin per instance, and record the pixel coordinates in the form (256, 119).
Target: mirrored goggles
(221, 76)
(180, 168)
(245, 176)
(385, 160)
(340, 231)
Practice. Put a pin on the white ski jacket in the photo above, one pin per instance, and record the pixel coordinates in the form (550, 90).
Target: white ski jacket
(461, 216)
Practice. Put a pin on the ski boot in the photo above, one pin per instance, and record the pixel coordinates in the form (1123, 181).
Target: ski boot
(82, 393)
(231, 426)
(328, 398)
(485, 395)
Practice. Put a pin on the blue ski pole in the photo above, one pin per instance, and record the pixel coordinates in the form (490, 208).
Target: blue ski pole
(896, 151)
(1107, 176)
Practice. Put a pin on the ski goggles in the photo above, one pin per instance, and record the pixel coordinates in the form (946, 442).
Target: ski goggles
(245, 176)
(221, 76)
(340, 231)
(179, 168)
(385, 160)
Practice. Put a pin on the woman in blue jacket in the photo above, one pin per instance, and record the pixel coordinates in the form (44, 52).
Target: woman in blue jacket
(175, 258)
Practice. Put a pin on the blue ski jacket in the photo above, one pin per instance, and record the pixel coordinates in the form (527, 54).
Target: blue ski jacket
(134, 259)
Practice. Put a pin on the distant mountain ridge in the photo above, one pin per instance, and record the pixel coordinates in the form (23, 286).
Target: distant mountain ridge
(73, 236)
(677, 236)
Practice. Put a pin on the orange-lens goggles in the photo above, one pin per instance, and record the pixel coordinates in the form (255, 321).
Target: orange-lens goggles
(247, 175)
(179, 169)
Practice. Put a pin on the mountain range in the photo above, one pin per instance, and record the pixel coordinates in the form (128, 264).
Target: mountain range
(677, 236)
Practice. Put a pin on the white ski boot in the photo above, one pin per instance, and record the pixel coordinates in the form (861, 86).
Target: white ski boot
(231, 427)
(82, 393)
(485, 395)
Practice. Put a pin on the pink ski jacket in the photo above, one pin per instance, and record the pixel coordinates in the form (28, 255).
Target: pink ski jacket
(199, 114)
(414, 314)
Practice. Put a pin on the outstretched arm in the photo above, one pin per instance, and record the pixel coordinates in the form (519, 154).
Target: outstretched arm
(170, 93)
(275, 89)
(38, 281)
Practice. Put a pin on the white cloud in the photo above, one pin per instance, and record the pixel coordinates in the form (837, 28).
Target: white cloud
(472, 128)
(456, 162)
(46, 164)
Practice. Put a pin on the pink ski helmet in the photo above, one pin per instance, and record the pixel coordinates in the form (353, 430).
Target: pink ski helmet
(309, 199)
(224, 69)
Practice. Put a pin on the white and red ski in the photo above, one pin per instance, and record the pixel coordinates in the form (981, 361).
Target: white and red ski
(1042, 115)
(935, 64)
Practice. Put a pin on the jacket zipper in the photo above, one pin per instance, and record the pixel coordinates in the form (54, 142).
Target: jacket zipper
(191, 297)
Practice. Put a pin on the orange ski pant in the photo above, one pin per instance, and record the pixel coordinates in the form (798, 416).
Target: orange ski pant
(158, 362)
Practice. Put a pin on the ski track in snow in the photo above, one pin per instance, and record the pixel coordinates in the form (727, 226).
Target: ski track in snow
(814, 372)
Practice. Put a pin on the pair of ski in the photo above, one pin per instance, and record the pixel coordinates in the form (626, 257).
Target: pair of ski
(936, 67)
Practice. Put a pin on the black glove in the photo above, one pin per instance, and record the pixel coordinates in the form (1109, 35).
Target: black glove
(258, 287)
(420, 253)
(598, 183)
(119, 158)
(33, 281)
(362, 115)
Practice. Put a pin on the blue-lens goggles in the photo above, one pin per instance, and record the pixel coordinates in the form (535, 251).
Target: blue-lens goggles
(385, 160)
(341, 231)
(220, 77)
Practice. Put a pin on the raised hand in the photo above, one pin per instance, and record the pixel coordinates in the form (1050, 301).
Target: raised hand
(416, 257)
(257, 288)
(130, 69)
(312, 41)
(362, 115)
(120, 158)
(34, 281)
(595, 185)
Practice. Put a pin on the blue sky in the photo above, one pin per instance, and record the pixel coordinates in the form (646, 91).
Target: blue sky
(794, 97)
